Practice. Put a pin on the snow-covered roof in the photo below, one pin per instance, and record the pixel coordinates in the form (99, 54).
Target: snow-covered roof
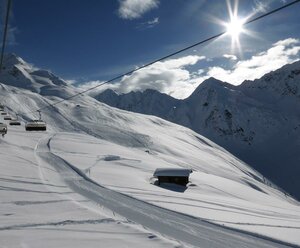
(172, 172)
(36, 121)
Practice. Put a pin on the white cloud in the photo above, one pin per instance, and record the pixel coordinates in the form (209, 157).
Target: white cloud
(70, 81)
(149, 24)
(170, 77)
(230, 56)
(286, 42)
(132, 9)
(91, 84)
(154, 21)
(261, 6)
(181, 62)
(174, 77)
(281, 53)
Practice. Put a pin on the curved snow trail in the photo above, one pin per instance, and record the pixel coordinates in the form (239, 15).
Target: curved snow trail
(186, 229)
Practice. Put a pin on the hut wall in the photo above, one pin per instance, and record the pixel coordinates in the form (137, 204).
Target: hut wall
(177, 180)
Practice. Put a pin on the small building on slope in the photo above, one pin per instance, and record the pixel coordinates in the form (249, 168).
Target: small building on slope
(173, 175)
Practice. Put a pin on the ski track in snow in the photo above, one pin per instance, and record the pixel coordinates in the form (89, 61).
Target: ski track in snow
(60, 223)
(38, 213)
(187, 229)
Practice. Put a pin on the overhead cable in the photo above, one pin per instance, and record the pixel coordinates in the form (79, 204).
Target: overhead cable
(5, 32)
(167, 56)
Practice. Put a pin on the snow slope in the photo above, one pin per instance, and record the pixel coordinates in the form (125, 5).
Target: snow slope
(258, 121)
(181, 227)
(35, 212)
(89, 177)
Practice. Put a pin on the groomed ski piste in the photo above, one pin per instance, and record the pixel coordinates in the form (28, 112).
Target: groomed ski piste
(87, 182)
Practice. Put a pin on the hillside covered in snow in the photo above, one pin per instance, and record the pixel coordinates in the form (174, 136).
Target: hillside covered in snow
(89, 180)
(258, 121)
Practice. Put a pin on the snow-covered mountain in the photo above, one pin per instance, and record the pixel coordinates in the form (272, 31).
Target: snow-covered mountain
(258, 121)
(88, 181)
(16, 72)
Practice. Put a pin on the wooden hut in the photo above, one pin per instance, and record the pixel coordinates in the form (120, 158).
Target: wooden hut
(173, 175)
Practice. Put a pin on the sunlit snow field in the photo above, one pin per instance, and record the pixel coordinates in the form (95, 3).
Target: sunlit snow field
(35, 212)
(45, 200)
(222, 189)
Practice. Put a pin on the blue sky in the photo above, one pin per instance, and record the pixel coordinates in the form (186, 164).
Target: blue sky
(91, 41)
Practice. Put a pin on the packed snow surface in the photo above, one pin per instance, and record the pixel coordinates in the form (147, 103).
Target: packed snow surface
(36, 212)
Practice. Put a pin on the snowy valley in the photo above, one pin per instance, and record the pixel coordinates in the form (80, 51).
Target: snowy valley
(88, 179)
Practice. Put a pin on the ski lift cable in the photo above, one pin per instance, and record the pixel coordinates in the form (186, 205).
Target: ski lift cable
(166, 56)
(5, 32)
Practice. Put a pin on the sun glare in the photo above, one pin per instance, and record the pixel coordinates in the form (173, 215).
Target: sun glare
(234, 27)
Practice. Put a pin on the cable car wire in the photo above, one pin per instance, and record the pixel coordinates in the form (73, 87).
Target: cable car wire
(5, 32)
(166, 56)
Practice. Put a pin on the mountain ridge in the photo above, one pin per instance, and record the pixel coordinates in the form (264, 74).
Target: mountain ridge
(256, 120)
(17, 72)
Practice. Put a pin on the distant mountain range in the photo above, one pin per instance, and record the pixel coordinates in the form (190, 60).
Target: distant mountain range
(258, 121)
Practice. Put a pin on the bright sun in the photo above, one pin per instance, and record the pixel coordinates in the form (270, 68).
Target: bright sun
(235, 24)
(235, 27)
